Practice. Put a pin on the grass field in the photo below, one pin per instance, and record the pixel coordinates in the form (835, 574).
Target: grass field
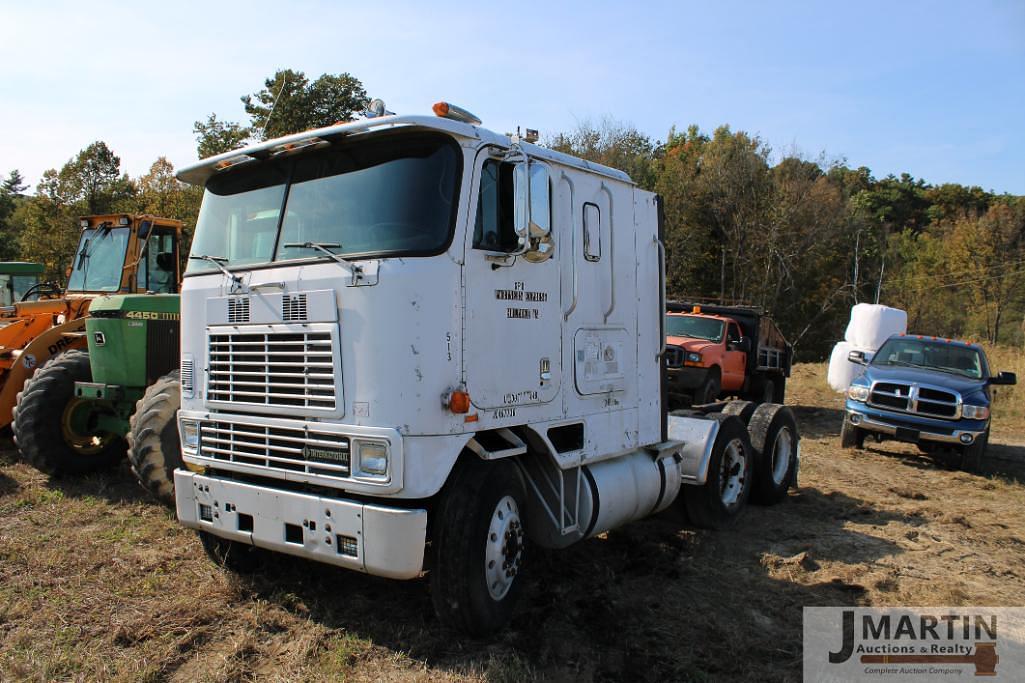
(99, 583)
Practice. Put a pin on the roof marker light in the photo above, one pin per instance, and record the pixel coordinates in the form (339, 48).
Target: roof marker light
(451, 111)
(232, 161)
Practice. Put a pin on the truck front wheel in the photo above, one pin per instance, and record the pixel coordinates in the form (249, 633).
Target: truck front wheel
(154, 448)
(717, 502)
(708, 392)
(479, 547)
(54, 429)
(971, 456)
(851, 436)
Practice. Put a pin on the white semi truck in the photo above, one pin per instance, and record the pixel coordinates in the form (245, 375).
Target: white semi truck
(411, 345)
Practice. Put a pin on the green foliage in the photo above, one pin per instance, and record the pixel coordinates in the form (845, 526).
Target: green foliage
(216, 137)
(290, 103)
(10, 196)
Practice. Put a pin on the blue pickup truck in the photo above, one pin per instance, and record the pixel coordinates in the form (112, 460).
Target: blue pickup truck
(932, 392)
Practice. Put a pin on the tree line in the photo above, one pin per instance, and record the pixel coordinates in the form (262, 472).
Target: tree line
(802, 238)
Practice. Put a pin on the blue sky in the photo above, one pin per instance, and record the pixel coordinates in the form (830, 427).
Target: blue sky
(935, 89)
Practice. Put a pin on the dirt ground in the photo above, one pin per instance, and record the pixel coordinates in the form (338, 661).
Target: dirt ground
(99, 583)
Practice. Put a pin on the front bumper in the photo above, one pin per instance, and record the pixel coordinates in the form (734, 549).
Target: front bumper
(376, 539)
(913, 429)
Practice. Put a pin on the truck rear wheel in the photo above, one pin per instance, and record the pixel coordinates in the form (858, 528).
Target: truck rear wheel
(154, 448)
(54, 429)
(479, 547)
(774, 437)
(851, 436)
(717, 502)
(971, 456)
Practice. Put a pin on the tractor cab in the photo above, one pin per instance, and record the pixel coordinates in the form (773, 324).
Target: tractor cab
(19, 280)
(121, 253)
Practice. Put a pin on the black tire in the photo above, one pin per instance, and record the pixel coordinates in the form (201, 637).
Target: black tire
(774, 438)
(240, 558)
(154, 448)
(472, 593)
(717, 503)
(742, 409)
(779, 389)
(972, 455)
(44, 421)
(851, 436)
(709, 391)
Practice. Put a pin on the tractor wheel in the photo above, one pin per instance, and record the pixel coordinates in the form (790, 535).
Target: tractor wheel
(154, 448)
(774, 438)
(717, 503)
(479, 546)
(55, 430)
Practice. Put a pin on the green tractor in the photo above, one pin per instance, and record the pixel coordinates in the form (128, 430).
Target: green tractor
(84, 411)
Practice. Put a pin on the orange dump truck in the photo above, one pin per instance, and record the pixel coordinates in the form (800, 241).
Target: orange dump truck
(715, 351)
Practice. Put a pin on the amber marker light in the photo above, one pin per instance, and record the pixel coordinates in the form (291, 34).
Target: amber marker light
(459, 402)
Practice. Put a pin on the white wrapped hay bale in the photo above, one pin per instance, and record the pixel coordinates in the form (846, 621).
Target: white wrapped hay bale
(842, 371)
(873, 324)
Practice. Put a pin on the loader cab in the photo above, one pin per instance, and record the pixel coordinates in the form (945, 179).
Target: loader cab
(18, 279)
(123, 253)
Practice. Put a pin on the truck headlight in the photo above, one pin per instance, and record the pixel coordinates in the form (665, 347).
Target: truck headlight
(856, 392)
(693, 357)
(974, 412)
(373, 458)
(190, 435)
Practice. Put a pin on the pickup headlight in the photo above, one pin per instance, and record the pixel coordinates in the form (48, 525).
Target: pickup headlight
(974, 412)
(373, 458)
(693, 357)
(857, 392)
(190, 435)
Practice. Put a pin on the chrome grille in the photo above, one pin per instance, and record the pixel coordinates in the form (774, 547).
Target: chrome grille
(916, 399)
(187, 376)
(278, 369)
(276, 448)
(238, 310)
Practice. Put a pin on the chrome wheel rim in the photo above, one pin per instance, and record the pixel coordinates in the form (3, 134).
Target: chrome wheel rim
(781, 450)
(733, 473)
(503, 551)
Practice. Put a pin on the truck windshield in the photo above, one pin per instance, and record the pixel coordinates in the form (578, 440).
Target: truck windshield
(694, 327)
(393, 195)
(932, 355)
(99, 260)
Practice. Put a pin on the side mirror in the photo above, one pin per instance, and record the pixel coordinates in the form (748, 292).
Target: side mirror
(532, 212)
(857, 357)
(144, 228)
(1004, 378)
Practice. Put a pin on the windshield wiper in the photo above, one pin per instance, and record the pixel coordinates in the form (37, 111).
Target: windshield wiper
(326, 248)
(218, 261)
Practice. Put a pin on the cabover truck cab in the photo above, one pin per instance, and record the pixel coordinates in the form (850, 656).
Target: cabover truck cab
(718, 351)
(932, 392)
(411, 344)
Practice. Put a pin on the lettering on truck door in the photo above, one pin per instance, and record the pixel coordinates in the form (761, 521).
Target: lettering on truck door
(513, 351)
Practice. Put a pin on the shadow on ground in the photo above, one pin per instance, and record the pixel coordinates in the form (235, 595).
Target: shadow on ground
(650, 581)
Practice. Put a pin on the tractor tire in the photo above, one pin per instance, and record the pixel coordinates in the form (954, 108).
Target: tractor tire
(774, 437)
(154, 448)
(240, 558)
(47, 430)
(717, 503)
(742, 409)
(478, 547)
(851, 436)
(971, 456)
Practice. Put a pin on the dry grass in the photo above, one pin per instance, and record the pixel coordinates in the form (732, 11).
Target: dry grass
(1009, 407)
(97, 583)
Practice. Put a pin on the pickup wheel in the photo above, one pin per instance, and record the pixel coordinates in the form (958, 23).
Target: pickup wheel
(851, 436)
(479, 547)
(709, 391)
(971, 456)
(56, 430)
(774, 437)
(240, 558)
(154, 448)
(716, 503)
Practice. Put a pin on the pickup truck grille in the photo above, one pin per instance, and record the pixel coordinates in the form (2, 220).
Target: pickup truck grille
(674, 356)
(916, 399)
(276, 449)
(284, 369)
